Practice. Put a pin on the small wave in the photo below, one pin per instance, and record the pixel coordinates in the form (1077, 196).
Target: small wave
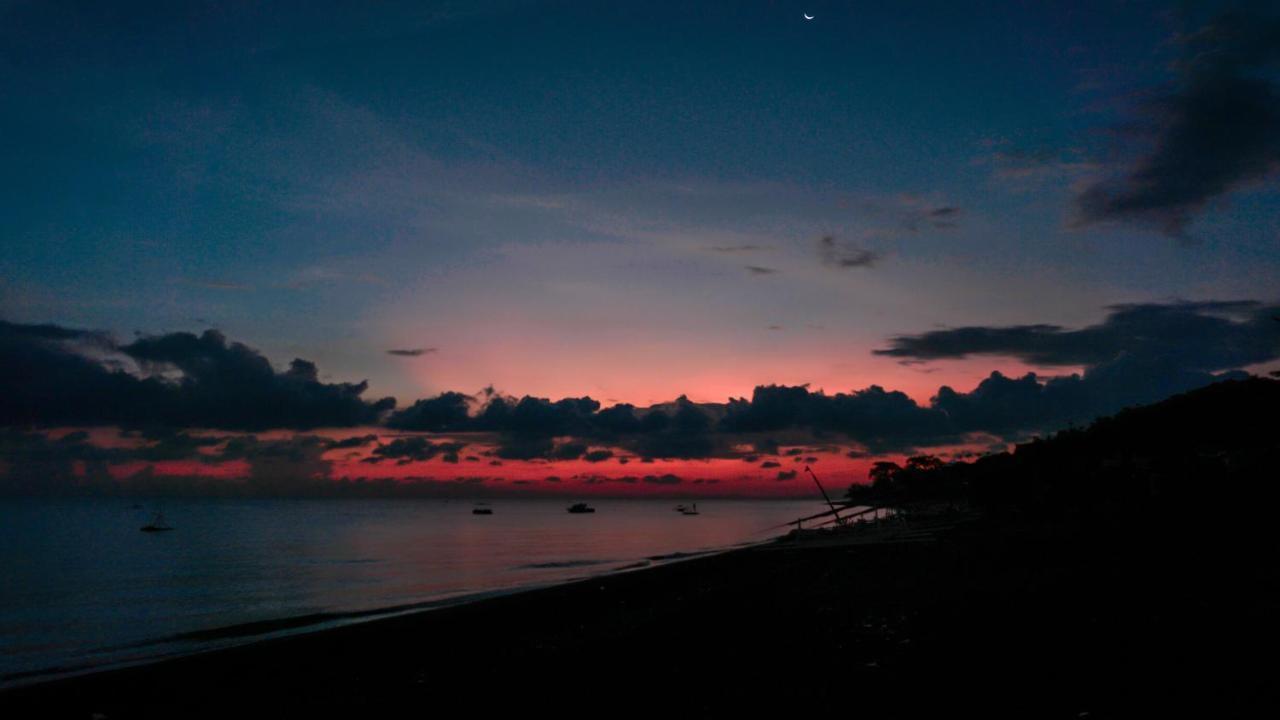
(678, 555)
(562, 564)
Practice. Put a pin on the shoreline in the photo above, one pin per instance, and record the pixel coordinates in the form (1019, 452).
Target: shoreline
(241, 635)
(1011, 623)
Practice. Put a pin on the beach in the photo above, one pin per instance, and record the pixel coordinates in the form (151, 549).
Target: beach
(1007, 621)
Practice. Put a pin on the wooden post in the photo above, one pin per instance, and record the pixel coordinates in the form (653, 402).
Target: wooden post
(834, 511)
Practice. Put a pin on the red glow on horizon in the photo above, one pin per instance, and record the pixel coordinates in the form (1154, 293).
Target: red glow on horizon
(228, 470)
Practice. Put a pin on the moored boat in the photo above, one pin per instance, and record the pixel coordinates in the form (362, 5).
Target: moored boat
(157, 524)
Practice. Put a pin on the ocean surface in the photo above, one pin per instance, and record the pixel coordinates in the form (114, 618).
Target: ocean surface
(81, 587)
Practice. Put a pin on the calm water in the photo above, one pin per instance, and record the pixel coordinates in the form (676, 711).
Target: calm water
(80, 586)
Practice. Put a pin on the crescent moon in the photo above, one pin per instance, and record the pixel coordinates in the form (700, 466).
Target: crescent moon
(808, 16)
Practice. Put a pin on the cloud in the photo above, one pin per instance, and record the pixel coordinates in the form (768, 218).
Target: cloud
(1215, 130)
(412, 352)
(51, 375)
(877, 418)
(528, 427)
(352, 442)
(918, 213)
(736, 248)
(1138, 354)
(1205, 336)
(415, 449)
(837, 255)
(521, 447)
(760, 270)
(217, 285)
(447, 411)
(1023, 169)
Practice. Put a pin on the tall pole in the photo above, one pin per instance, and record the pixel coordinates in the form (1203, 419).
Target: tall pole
(834, 511)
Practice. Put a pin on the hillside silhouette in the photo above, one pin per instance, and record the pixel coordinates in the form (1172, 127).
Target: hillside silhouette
(1203, 458)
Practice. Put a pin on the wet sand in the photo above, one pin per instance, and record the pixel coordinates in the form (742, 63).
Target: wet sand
(997, 622)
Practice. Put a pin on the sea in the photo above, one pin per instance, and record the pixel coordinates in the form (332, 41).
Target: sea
(81, 588)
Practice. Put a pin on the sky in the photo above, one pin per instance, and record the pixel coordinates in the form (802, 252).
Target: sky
(631, 202)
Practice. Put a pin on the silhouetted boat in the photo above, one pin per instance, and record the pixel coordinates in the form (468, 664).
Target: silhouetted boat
(481, 510)
(680, 508)
(693, 510)
(578, 508)
(157, 525)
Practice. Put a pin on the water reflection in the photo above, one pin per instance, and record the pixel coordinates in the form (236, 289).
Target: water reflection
(83, 585)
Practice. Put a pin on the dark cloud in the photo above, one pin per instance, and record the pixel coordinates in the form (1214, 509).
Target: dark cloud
(447, 411)
(1214, 130)
(48, 331)
(415, 449)
(51, 375)
(786, 475)
(353, 442)
(527, 427)
(531, 415)
(874, 416)
(838, 255)
(173, 445)
(760, 270)
(525, 447)
(686, 433)
(1138, 354)
(1203, 336)
(568, 451)
(412, 352)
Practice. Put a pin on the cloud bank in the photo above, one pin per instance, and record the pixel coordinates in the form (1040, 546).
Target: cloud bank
(52, 375)
(1215, 130)
(159, 388)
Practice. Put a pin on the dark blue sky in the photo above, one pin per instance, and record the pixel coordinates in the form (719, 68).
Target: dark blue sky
(628, 199)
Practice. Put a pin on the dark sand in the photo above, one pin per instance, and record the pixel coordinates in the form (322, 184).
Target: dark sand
(975, 622)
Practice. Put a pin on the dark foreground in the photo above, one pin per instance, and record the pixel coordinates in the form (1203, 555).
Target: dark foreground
(1001, 622)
